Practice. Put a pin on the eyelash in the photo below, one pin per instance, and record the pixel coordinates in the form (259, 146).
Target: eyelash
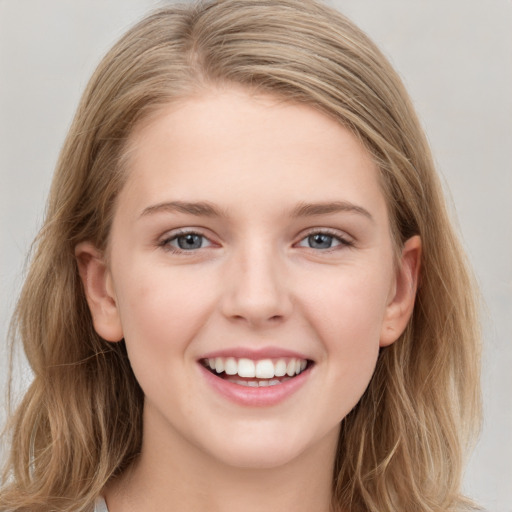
(335, 235)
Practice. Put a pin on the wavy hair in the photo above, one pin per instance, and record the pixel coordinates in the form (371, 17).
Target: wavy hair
(79, 423)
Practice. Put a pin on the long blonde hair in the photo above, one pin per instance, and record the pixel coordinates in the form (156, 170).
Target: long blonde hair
(79, 424)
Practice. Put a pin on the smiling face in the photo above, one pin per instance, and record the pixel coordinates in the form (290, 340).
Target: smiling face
(251, 273)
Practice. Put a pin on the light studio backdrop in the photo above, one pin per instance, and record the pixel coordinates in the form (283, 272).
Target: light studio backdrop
(455, 57)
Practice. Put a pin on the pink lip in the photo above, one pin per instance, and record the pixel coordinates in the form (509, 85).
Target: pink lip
(255, 397)
(255, 354)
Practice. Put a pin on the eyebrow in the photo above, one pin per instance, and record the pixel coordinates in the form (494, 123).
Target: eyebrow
(203, 208)
(206, 209)
(312, 209)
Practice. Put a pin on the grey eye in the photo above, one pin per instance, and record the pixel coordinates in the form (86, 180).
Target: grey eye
(320, 241)
(188, 241)
(323, 241)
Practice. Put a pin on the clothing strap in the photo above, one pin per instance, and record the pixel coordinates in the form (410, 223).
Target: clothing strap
(100, 505)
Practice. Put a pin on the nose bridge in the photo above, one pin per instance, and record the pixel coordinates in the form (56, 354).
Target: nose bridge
(257, 290)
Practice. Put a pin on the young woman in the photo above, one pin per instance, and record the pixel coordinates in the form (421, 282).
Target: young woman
(247, 293)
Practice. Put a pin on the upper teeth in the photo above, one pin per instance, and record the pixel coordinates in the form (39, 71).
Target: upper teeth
(261, 369)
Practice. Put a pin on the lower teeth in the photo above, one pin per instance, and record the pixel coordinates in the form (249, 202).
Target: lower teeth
(259, 383)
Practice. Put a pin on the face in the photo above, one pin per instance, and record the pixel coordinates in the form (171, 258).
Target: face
(251, 273)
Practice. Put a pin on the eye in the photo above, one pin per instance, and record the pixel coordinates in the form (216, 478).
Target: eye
(186, 242)
(323, 240)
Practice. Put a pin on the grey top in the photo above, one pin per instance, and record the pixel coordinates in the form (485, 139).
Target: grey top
(100, 505)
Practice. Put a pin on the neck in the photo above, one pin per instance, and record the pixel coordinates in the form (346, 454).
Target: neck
(173, 475)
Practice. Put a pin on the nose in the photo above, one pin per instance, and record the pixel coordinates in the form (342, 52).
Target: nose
(256, 290)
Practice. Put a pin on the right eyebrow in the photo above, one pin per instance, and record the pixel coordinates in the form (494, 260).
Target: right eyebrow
(201, 208)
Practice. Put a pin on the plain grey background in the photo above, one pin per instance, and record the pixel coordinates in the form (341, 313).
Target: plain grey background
(455, 57)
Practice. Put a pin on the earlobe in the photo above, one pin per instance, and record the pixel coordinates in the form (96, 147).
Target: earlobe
(401, 304)
(99, 292)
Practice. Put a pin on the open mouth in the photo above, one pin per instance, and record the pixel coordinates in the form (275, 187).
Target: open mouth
(260, 373)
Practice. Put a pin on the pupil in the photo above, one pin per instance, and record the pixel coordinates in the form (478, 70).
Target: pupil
(190, 241)
(320, 241)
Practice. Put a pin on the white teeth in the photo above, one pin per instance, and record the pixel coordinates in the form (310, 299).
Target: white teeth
(265, 369)
(259, 383)
(246, 368)
(230, 366)
(280, 368)
(262, 369)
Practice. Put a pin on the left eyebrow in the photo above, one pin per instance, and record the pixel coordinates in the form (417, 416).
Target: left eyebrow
(312, 209)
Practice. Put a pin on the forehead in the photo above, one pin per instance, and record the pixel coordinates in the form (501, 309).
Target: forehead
(226, 144)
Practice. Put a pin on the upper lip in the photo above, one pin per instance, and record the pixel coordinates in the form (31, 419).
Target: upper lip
(255, 353)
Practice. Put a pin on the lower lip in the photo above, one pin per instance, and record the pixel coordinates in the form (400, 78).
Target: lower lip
(255, 397)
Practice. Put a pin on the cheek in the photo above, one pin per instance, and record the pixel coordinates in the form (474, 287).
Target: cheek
(161, 310)
(347, 317)
(161, 314)
(351, 307)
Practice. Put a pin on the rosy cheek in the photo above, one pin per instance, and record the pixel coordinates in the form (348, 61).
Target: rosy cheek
(160, 308)
(353, 303)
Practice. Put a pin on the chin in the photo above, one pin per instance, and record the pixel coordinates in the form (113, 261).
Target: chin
(268, 448)
(255, 457)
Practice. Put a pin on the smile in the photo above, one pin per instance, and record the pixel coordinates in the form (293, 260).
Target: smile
(256, 373)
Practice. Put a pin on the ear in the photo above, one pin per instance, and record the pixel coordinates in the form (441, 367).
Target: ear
(401, 301)
(99, 291)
